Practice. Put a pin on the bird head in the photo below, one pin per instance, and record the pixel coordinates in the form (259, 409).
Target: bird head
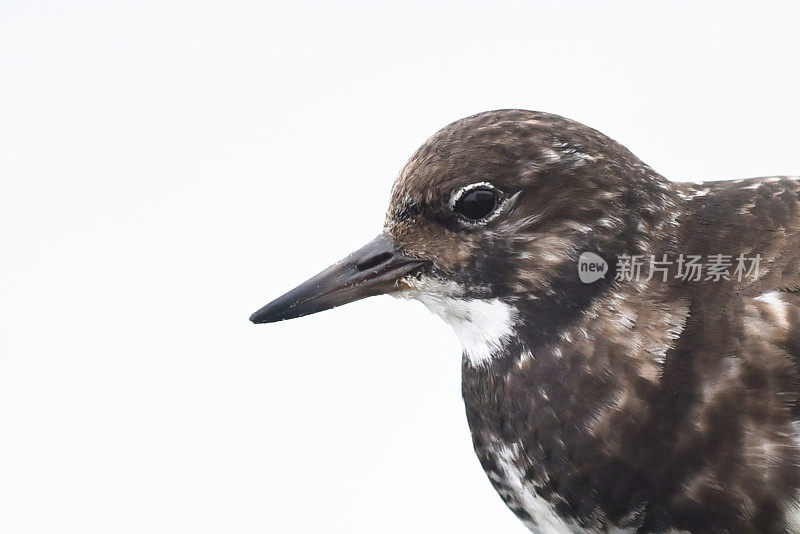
(486, 223)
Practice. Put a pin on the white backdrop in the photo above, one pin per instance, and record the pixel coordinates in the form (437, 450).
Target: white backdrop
(168, 168)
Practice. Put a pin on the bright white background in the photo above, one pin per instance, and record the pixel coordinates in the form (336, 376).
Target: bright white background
(169, 167)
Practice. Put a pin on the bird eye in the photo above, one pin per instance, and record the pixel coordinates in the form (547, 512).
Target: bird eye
(476, 204)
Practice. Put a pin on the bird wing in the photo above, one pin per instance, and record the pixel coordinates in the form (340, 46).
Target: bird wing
(755, 217)
(755, 314)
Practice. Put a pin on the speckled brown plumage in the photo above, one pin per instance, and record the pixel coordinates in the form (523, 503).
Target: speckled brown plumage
(660, 405)
(703, 439)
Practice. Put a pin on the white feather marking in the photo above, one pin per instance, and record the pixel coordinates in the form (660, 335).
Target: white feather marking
(483, 326)
(550, 155)
(694, 194)
(792, 514)
(773, 298)
(520, 493)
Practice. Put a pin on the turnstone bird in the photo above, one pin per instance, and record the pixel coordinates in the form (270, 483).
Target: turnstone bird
(631, 346)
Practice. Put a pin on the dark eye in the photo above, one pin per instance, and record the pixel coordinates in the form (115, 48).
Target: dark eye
(477, 204)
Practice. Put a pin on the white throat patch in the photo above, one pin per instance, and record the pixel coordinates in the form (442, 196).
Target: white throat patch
(483, 326)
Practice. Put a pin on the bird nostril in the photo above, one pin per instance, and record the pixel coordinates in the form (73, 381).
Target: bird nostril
(373, 261)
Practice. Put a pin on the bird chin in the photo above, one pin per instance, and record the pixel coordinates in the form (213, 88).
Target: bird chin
(482, 325)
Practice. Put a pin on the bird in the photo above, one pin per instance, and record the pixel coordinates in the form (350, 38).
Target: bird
(608, 386)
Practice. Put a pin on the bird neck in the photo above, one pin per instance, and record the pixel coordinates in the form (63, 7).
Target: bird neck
(586, 364)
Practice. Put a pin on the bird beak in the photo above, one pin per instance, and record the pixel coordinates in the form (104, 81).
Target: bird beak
(374, 269)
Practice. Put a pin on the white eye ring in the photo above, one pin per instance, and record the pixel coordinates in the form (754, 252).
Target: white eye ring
(455, 197)
(459, 194)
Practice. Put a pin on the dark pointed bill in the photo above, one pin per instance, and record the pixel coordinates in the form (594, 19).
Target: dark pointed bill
(374, 269)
